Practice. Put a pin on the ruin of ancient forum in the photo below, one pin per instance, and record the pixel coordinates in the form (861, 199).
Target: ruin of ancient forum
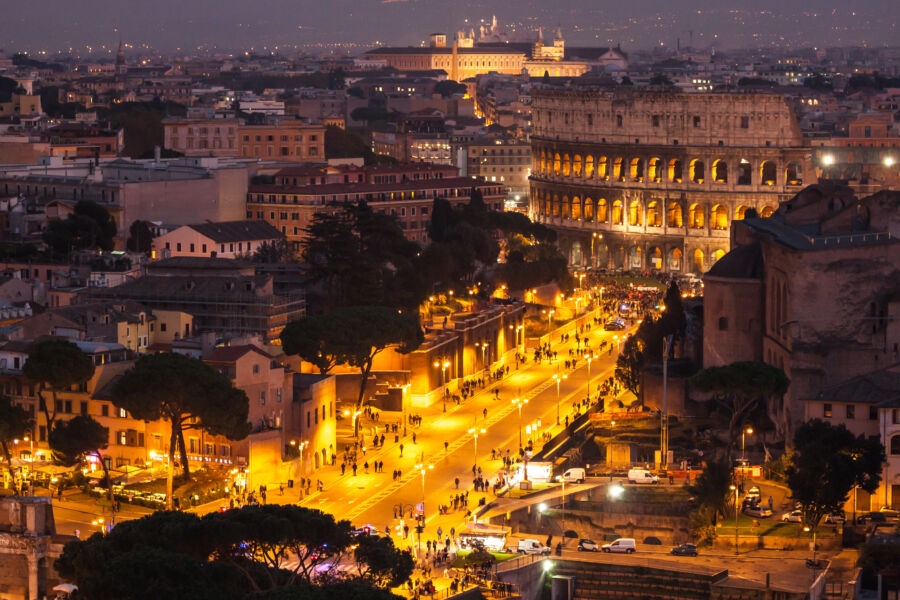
(610, 294)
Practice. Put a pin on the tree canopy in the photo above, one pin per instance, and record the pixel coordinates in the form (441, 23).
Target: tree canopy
(270, 552)
(828, 462)
(15, 423)
(57, 364)
(89, 226)
(188, 393)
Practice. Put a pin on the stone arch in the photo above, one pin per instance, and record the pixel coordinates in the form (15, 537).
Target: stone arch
(555, 205)
(635, 258)
(674, 259)
(767, 211)
(745, 172)
(565, 208)
(618, 169)
(674, 217)
(576, 165)
(654, 214)
(696, 216)
(576, 208)
(715, 256)
(557, 162)
(718, 217)
(655, 258)
(635, 211)
(697, 261)
(740, 212)
(576, 256)
(589, 166)
(676, 170)
(618, 210)
(588, 209)
(619, 257)
(768, 174)
(566, 165)
(655, 172)
(793, 174)
(601, 256)
(603, 167)
(720, 171)
(543, 163)
(698, 171)
(637, 169)
(602, 211)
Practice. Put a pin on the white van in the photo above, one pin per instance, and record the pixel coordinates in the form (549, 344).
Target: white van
(532, 547)
(642, 476)
(574, 476)
(625, 545)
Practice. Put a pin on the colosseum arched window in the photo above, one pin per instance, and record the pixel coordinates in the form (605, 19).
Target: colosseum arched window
(767, 173)
(720, 171)
(654, 258)
(635, 258)
(718, 254)
(602, 211)
(675, 170)
(576, 207)
(576, 165)
(634, 212)
(674, 259)
(655, 173)
(718, 217)
(617, 212)
(698, 171)
(618, 171)
(566, 165)
(565, 206)
(654, 214)
(766, 212)
(555, 205)
(696, 217)
(674, 218)
(697, 262)
(637, 169)
(793, 174)
(589, 166)
(739, 212)
(588, 209)
(556, 164)
(745, 172)
(603, 167)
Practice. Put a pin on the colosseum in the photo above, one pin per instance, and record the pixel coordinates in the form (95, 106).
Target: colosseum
(652, 180)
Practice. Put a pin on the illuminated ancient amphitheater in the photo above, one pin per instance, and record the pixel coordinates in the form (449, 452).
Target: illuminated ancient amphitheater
(652, 180)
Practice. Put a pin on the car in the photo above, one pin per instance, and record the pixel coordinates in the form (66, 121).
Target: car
(614, 325)
(758, 511)
(574, 475)
(529, 546)
(586, 545)
(835, 519)
(364, 530)
(795, 516)
(753, 493)
(684, 550)
(889, 513)
(874, 517)
(641, 476)
(625, 545)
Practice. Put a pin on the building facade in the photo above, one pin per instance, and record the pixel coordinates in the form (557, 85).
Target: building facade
(653, 180)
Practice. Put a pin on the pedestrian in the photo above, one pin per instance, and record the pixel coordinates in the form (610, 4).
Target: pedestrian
(456, 481)
(354, 469)
(401, 450)
(343, 468)
(414, 437)
(771, 502)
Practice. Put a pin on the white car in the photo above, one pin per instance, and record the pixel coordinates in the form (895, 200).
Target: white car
(835, 519)
(758, 511)
(795, 516)
(625, 545)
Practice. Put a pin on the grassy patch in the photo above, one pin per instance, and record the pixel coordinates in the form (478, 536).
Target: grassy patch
(772, 526)
(460, 561)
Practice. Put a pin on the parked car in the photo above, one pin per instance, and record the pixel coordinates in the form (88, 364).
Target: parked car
(889, 513)
(835, 519)
(364, 530)
(625, 545)
(586, 545)
(532, 547)
(759, 511)
(795, 516)
(753, 493)
(574, 475)
(641, 476)
(874, 517)
(684, 550)
(614, 325)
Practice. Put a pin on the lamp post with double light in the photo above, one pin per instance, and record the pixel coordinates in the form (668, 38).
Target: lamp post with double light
(475, 431)
(519, 402)
(558, 379)
(483, 346)
(442, 365)
(734, 489)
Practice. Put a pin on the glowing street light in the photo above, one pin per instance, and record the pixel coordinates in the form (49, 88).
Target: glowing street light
(519, 402)
(747, 431)
(558, 379)
(443, 367)
(734, 489)
(484, 347)
(475, 433)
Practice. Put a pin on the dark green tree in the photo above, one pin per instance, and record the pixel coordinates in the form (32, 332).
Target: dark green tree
(140, 237)
(443, 218)
(630, 364)
(355, 335)
(276, 251)
(448, 87)
(89, 226)
(15, 423)
(380, 563)
(828, 462)
(672, 321)
(345, 590)
(713, 497)
(187, 393)
(660, 79)
(73, 440)
(738, 389)
(57, 365)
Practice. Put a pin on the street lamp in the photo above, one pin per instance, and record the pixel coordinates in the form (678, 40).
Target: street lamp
(558, 379)
(516, 334)
(403, 400)
(443, 367)
(475, 433)
(594, 236)
(747, 431)
(422, 469)
(590, 357)
(519, 402)
(483, 346)
(807, 529)
(562, 480)
(550, 320)
(735, 490)
(30, 441)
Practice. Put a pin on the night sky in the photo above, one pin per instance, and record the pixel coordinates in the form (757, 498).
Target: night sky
(348, 25)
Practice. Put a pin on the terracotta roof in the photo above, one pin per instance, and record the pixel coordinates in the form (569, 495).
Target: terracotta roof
(237, 231)
(230, 354)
